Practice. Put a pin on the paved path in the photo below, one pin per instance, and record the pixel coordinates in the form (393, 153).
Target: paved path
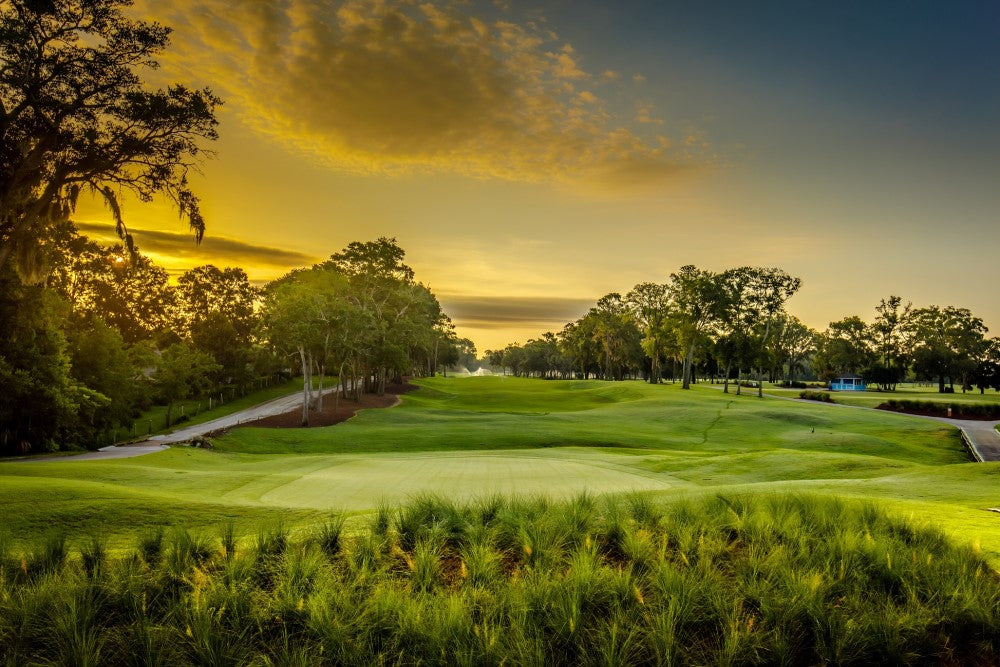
(103, 454)
(982, 435)
(277, 406)
(160, 442)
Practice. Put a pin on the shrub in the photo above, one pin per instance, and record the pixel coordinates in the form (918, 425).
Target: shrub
(940, 408)
(822, 396)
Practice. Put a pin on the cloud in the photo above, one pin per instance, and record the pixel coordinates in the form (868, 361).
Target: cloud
(398, 86)
(501, 312)
(212, 249)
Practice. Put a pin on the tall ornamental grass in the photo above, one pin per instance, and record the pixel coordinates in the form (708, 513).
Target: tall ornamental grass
(728, 580)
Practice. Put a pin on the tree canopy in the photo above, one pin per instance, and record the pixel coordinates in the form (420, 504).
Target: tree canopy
(75, 114)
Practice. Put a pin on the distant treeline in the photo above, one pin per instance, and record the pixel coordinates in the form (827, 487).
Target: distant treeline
(734, 325)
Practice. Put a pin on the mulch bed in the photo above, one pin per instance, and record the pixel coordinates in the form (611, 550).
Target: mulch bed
(347, 409)
(937, 413)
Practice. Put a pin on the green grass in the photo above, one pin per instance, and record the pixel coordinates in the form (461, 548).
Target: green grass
(466, 437)
(470, 436)
(727, 579)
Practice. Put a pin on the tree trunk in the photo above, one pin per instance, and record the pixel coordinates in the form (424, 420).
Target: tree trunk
(319, 398)
(306, 385)
(688, 358)
(340, 387)
(725, 381)
(760, 383)
(170, 407)
(739, 381)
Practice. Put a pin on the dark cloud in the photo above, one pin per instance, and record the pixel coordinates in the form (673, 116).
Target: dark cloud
(212, 248)
(497, 312)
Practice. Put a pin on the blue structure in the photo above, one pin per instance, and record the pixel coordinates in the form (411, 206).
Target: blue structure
(848, 383)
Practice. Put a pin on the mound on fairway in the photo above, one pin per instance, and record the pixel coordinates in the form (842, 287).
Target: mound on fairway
(731, 579)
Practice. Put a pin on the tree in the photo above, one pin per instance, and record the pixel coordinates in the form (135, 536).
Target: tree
(74, 114)
(792, 343)
(207, 289)
(696, 296)
(845, 347)
(650, 305)
(769, 289)
(406, 318)
(215, 308)
(103, 362)
(987, 373)
(892, 342)
(132, 296)
(948, 343)
(39, 400)
(289, 323)
(183, 372)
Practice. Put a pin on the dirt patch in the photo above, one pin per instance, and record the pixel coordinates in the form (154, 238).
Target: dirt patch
(346, 409)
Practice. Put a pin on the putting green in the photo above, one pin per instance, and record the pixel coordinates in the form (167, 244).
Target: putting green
(360, 483)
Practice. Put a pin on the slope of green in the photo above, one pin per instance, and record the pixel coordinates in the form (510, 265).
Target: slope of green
(467, 437)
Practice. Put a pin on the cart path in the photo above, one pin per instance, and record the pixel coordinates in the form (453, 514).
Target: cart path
(102, 454)
(158, 443)
(277, 406)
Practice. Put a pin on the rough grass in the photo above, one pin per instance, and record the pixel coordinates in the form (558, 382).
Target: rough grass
(728, 579)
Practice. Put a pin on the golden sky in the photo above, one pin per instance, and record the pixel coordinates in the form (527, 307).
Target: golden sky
(531, 158)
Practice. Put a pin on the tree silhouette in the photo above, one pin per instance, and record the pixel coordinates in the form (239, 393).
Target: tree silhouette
(74, 115)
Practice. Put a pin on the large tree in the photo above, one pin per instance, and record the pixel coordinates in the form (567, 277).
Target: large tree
(696, 295)
(650, 305)
(845, 347)
(98, 281)
(893, 341)
(948, 343)
(75, 115)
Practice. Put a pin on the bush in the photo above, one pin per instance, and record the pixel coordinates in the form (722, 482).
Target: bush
(822, 396)
(940, 408)
(793, 384)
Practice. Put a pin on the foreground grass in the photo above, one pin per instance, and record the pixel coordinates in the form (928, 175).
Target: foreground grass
(728, 579)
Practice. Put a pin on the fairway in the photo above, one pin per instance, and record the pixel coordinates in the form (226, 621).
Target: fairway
(463, 438)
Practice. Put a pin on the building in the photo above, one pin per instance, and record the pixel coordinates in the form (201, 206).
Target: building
(848, 383)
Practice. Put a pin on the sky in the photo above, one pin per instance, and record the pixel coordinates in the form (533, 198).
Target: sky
(532, 157)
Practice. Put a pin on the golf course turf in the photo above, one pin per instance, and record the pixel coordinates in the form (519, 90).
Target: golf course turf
(506, 520)
(465, 437)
